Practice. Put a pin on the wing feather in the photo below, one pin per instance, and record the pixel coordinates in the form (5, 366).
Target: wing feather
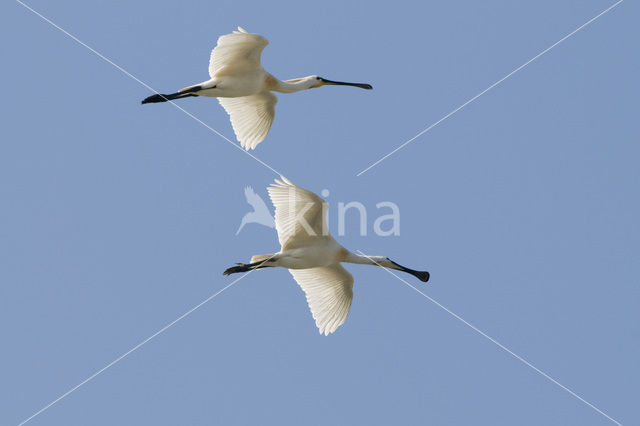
(237, 48)
(329, 292)
(295, 227)
(251, 117)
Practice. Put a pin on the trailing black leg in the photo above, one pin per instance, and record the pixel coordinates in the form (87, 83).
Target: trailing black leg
(164, 98)
(244, 267)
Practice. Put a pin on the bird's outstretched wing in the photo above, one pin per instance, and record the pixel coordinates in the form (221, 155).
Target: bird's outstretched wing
(329, 291)
(251, 117)
(300, 214)
(238, 49)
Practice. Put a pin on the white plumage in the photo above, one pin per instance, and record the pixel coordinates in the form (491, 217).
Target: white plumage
(251, 116)
(329, 291)
(244, 88)
(292, 204)
(312, 255)
(240, 48)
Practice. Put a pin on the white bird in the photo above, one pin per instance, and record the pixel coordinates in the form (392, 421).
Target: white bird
(244, 88)
(260, 213)
(312, 256)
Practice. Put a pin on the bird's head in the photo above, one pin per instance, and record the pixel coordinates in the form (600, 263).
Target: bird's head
(317, 81)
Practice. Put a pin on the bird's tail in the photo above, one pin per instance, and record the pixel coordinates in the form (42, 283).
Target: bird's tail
(261, 257)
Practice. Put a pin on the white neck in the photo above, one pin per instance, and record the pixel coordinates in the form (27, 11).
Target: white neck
(385, 263)
(368, 260)
(291, 86)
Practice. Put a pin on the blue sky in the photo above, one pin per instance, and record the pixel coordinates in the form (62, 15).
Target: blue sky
(117, 218)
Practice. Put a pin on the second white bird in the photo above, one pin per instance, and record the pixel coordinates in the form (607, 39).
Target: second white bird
(312, 255)
(244, 88)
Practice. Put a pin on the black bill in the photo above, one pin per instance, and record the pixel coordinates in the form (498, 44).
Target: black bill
(342, 83)
(421, 275)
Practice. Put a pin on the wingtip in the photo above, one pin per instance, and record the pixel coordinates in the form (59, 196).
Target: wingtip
(285, 180)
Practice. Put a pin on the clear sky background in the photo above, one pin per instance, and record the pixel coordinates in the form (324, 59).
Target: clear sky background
(117, 218)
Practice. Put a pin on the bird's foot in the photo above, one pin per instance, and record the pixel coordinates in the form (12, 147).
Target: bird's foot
(155, 98)
(240, 267)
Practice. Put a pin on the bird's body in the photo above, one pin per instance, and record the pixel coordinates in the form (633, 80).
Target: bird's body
(244, 88)
(313, 256)
(322, 251)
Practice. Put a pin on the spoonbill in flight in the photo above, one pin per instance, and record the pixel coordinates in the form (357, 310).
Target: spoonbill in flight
(244, 88)
(312, 256)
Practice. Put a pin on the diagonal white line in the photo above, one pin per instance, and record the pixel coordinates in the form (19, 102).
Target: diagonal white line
(500, 345)
(490, 87)
(128, 74)
(136, 347)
